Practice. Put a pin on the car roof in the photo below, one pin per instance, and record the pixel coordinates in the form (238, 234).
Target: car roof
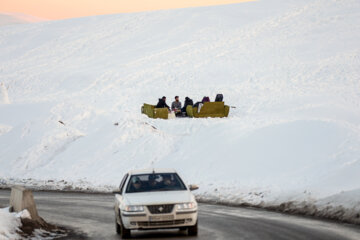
(152, 170)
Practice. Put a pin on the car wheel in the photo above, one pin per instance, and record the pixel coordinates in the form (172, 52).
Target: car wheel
(117, 227)
(193, 230)
(124, 232)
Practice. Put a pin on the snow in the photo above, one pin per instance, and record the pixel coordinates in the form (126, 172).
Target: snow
(24, 214)
(71, 93)
(4, 94)
(9, 225)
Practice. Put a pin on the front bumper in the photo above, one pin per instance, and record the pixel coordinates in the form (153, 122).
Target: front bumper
(147, 220)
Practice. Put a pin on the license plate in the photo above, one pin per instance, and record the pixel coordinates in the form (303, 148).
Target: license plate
(161, 218)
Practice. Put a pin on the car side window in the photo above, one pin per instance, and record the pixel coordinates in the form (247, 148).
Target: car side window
(123, 182)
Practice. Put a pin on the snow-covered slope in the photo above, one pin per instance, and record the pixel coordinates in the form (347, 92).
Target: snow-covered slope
(291, 69)
(17, 18)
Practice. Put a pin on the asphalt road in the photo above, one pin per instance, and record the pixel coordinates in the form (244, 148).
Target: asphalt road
(92, 217)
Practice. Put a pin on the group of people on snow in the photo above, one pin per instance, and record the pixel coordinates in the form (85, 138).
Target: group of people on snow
(176, 105)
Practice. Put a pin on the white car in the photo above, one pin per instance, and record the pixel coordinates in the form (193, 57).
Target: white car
(155, 199)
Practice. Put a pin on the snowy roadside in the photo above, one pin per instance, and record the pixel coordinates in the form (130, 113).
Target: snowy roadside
(342, 207)
(16, 226)
(10, 224)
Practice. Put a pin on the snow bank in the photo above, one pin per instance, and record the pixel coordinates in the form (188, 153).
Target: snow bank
(19, 225)
(291, 68)
(9, 225)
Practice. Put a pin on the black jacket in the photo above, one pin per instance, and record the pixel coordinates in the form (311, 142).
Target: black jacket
(188, 101)
(162, 104)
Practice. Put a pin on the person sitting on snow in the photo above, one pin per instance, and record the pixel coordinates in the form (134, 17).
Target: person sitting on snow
(200, 104)
(176, 106)
(162, 103)
(188, 101)
(205, 99)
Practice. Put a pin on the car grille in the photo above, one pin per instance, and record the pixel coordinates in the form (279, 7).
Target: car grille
(161, 223)
(159, 209)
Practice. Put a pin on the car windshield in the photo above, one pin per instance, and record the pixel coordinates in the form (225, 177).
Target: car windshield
(155, 182)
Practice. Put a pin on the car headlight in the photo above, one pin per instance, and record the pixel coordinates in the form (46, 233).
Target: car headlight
(185, 206)
(134, 208)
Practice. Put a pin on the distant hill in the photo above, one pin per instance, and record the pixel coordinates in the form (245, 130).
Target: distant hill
(17, 18)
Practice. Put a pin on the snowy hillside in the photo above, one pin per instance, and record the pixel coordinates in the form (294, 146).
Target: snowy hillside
(291, 69)
(17, 18)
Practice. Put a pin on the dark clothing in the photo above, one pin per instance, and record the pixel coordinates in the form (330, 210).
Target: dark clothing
(219, 98)
(205, 99)
(162, 104)
(188, 101)
(197, 104)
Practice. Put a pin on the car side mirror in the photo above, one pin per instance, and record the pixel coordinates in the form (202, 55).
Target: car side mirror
(116, 191)
(193, 187)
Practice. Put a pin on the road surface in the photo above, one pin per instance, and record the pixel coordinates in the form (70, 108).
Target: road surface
(92, 217)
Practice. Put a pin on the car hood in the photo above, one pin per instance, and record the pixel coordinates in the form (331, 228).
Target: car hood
(163, 197)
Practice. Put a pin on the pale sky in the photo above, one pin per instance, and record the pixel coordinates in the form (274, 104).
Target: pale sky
(60, 9)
